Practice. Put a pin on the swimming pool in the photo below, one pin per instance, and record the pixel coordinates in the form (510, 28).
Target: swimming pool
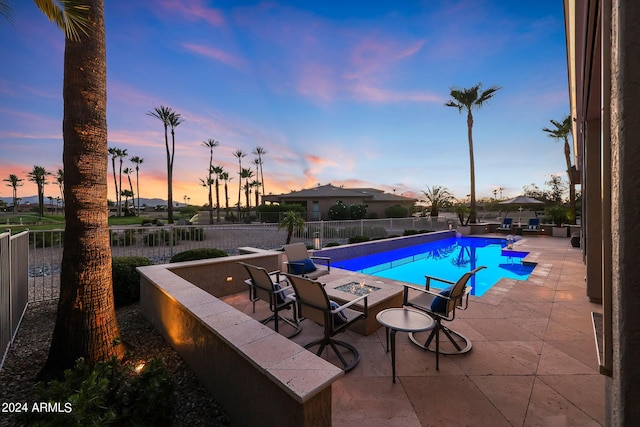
(448, 259)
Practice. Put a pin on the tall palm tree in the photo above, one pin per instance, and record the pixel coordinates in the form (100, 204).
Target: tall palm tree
(246, 174)
(169, 118)
(39, 175)
(60, 182)
(292, 221)
(224, 176)
(138, 161)
(210, 144)
(86, 324)
(217, 170)
(121, 155)
(114, 152)
(14, 182)
(260, 151)
(468, 100)
(256, 184)
(561, 131)
(239, 154)
(439, 197)
(127, 172)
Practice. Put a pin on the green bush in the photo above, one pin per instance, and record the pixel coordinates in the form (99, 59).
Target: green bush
(107, 394)
(128, 238)
(396, 211)
(189, 233)
(273, 213)
(159, 238)
(196, 254)
(126, 280)
(359, 239)
(358, 211)
(338, 211)
(331, 244)
(46, 239)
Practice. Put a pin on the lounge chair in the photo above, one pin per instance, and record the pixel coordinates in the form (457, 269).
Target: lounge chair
(315, 305)
(533, 226)
(301, 263)
(506, 224)
(441, 306)
(273, 289)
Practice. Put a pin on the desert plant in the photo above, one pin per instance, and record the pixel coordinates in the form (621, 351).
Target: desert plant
(126, 279)
(196, 254)
(292, 221)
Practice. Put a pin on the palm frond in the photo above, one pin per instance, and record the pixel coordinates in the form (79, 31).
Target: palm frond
(71, 16)
(5, 11)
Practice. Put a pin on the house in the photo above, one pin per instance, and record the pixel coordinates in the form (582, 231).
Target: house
(602, 56)
(318, 200)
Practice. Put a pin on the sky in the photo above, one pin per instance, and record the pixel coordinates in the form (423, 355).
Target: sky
(344, 93)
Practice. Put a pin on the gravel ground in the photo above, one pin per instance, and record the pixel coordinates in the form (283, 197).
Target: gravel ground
(194, 405)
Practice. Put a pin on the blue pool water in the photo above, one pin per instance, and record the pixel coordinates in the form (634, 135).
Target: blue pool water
(448, 259)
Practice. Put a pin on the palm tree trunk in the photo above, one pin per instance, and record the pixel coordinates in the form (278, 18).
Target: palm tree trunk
(217, 200)
(86, 324)
(572, 184)
(138, 188)
(472, 215)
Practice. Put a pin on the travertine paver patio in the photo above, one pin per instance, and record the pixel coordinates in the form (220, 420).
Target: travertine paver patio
(533, 360)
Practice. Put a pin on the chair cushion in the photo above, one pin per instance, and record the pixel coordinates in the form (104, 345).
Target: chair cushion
(439, 305)
(338, 318)
(280, 297)
(308, 267)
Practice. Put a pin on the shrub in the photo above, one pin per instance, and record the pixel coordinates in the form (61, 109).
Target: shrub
(332, 244)
(126, 280)
(396, 211)
(358, 211)
(46, 239)
(107, 394)
(273, 213)
(359, 239)
(159, 237)
(127, 238)
(189, 233)
(196, 254)
(338, 211)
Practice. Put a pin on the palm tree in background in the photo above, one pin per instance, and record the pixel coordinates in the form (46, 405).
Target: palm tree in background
(239, 154)
(121, 156)
(86, 324)
(39, 175)
(224, 176)
(115, 153)
(561, 131)
(256, 185)
(210, 144)
(137, 161)
(468, 100)
(60, 182)
(439, 197)
(292, 221)
(246, 174)
(217, 170)
(260, 152)
(127, 172)
(14, 182)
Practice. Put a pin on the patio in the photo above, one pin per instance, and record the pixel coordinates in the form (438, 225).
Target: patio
(533, 360)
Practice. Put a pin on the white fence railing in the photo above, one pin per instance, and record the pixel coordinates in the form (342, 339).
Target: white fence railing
(160, 243)
(14, 255)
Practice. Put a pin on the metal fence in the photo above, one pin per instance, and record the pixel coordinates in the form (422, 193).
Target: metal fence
(160, 243)
(14, 254)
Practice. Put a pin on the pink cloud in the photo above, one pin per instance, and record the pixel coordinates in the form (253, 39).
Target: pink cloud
(364, 92)
(194, 10)
(216, 54)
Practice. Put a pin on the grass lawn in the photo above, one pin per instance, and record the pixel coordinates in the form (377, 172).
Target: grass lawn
(21, 222)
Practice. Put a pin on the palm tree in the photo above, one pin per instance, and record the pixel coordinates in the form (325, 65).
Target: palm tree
(292, 221)
(138, 161)
(121, 155)
(127, 194)
(239, 154)
(224, 176)
(469, 100)
(114, 152)
(86, 324)
(561, 132)
(256, 184)
(439, 197)
(127, 171)
(169, 118)
(14, 182)
(217, 170)
(39, 176)
(247, 174)
(259, 151)
(60, 182)
(210, 144)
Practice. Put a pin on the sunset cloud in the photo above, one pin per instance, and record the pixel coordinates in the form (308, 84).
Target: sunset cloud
(216, 54)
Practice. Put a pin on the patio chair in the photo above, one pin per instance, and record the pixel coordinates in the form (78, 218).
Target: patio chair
(277, 293)
(300, 262)
(441, 306)
(506, 224)
(314, 304)
(533, 226)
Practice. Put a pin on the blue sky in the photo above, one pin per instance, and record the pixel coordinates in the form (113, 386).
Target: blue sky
(349, 94)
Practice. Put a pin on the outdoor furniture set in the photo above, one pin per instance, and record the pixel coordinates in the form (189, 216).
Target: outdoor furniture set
(423, 310)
